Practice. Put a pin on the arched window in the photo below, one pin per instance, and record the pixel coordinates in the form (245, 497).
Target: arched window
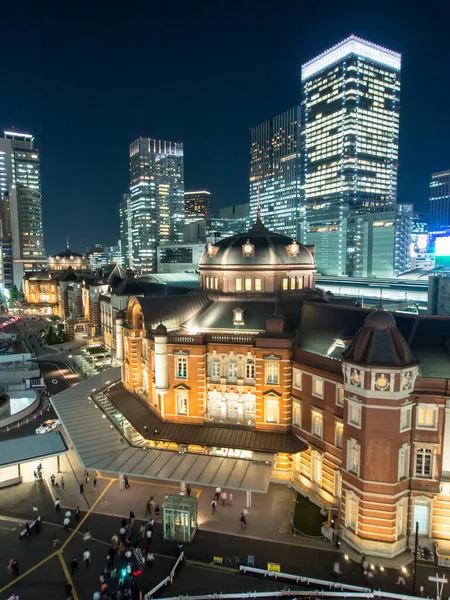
(250, 369)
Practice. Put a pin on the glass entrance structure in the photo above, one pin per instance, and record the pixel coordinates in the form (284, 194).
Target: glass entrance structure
(179, 518)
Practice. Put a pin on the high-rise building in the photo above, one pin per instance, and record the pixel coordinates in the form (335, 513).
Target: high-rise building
(275, 171)
(156, 204)
(126, 239)
(197, 204)
(440, 201)
(350, 129)
(20, 191)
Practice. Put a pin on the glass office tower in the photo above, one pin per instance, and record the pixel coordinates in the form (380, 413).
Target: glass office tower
(275, 171)
(440, 201)
(156, 204)
(350, 119)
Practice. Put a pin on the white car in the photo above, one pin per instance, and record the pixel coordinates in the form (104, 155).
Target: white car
(49, 425)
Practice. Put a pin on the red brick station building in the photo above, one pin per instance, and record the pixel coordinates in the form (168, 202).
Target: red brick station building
(352, 406)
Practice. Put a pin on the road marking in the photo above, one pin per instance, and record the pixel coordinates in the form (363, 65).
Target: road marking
(55, 381)
(39, 564)
(67, 574)
(86, 516)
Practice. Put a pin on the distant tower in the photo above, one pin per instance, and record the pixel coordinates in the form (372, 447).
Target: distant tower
(197, 204)
(440, 201)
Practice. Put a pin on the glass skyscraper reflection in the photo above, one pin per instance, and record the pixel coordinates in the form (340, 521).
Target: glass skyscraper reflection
(275, 171)
(350, 120)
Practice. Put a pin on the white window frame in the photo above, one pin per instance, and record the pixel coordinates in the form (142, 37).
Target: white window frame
(337, 483)
(405, 418)
(353, 450)
(297, 413)
(215, 365)
(182, 402)
(232, 370)
(181, 360)
(274, 366)
(317, 423)
(401, 517)
(404, 454)
(351, 510)
(317, 380)
(297, 379)
(339, 434)
(272, 410)
(425, 450)
(316, 467)
(258, 284)
(285, 284)
(339, 392)
(354, 413)
(424, 524)
(238, 284)
(248, 284)
(250, 364)
(422, 410)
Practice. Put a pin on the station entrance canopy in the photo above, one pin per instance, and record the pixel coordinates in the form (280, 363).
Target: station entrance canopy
(101, 447)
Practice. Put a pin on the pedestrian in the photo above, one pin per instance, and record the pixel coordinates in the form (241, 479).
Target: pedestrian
(52, 479)
(96, 596)
(95, 484)
(122, 532)
(243, 520)
(112, 554)
(148, 535)
(62, 481)
(56, 541)
(81, 489)
(87, 536)
(77, 514)
(401, 576)
(128, 554)
(35, 474)
(337, 569)
(68, 514)
(68, 590)
(66, 523)
(157, 510)
(132, 518)
(150, 506)
(125, 478)
(57, 505)
(150, 559)
(151, 524)
(15, 567)
(224, 497)
(230, 498)
(217, 494)
(37, 525)
(87, 558)
(364, 563)
(114, 541)
(213, 506)
(142, 530)
(86, 477)
(74, 565)
(188, 489)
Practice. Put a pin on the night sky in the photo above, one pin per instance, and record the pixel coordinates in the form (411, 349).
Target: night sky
(87, 80)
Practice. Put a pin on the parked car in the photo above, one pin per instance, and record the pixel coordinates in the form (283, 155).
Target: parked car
(49, 425)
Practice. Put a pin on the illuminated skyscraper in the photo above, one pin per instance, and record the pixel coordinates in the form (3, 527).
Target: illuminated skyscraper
(156, 203)
(350, 120)
(440, 201)
(275, 171)
(20, 192)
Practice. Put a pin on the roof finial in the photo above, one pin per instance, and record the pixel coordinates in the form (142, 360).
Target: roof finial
(258, 211)
(67, 242)
(380, 307)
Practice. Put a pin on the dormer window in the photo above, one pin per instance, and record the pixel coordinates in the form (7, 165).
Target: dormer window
(238, 316)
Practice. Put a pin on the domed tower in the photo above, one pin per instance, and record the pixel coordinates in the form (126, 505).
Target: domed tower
(258, 262)
(379, 375)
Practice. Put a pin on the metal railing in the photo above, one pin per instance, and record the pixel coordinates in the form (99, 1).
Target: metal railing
(167, 580)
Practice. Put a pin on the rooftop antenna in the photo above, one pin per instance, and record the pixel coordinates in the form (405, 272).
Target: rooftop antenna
(67, 242)
(380, 307)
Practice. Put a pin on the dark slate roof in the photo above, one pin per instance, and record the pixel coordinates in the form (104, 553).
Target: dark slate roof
(69, 275)
(379, 342)
(31, 447)
(150, 426)
(172, 310)
(270, 249)
(67, 253)
(219, 315)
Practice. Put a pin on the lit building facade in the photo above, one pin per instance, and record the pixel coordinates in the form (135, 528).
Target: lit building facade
(197, 204)
(440, 201)
(258, 352)
(154, 212)
(275, 171)
(20, 190)
(350, 129)
(179, 258)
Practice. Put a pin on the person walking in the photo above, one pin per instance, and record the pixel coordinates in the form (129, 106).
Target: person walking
(62, 481)
(157, 510)
(213, 506)
(337, 569)
(81, 489)
(95, 484)
(68, 590)
(224, 497)
(230, 498)
(86, 477)
(401, 577)
(127, 485)
(114, 541)
(188, 489)
(55, 540)
(112, 554)
(87, 558)
(57, 505)
(68, 514)
(14, 567)
(37, 525)
(66, 523)
(132, 518)
(77, 514)
(217, 494)
(35, 474)
(150, 559)
(52, 479)
(74, 565)
(243, 520)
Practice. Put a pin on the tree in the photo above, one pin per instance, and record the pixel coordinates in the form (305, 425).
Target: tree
(14, 295)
